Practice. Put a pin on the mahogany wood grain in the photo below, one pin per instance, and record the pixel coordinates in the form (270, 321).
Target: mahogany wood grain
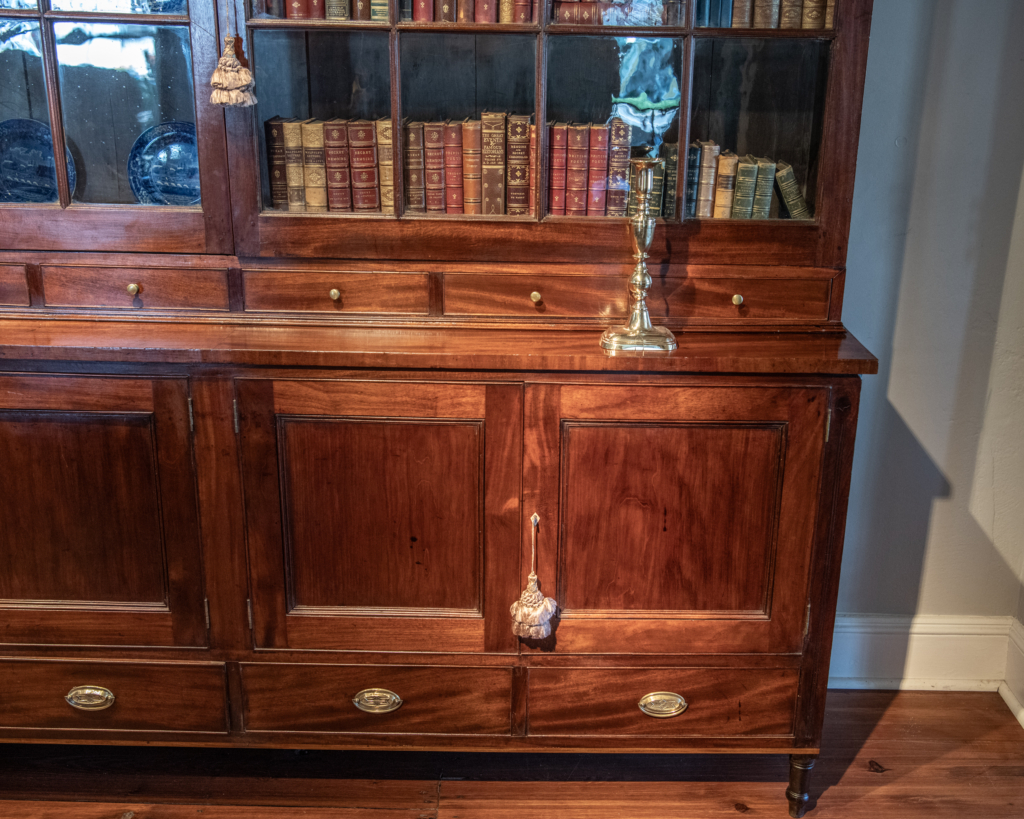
(13, 285)
(159, 288)
(720, 702)
(148, 697)
(365, 397)
(116, 810)
(303, 291)
(434, 700)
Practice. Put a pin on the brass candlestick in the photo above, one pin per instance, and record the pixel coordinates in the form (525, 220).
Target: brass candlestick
(639, 333)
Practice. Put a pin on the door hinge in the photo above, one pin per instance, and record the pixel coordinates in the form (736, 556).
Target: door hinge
(248, 605)
(206, 606)
(234, 404)
(828, 424)
(191, 417)
(807, 620)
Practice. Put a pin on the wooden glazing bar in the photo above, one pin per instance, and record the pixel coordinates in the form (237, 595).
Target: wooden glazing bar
(53, 103)
(540, 170)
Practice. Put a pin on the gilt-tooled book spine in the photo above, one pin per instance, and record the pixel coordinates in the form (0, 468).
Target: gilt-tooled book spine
(790, 192)
(412, 159)
(493, 162)
(386, 164)
(830, 13)
(763, 189)
(379, 12)
(486, 11)
(464, 11)
(746, 185)
(293, 165)
(277, 172)
(296, 9)
(444, 11)
(725, 186)
(558, 140)
(423, 11)
(814, 14)
(597, 171)
(454, 193)
(433, 156)
(522, 11)
(692, 179)
(506, 11)
(742, 13)
(362, 152)
(791, 13)
(706, 185)
(313, 168)
(517, 165)
(577, 164)
(620, 137)
(766, 13)
(533, 171)
(338, 9)
(360, 9)
(317, 9)
(339, 177)
(668, 206)
(472, 182)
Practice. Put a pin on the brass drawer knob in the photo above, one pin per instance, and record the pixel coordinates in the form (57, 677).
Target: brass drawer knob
(133, 289)
(662, 704)
(90, 698)
(377, 701)
(335, 294)
(535, 297)
(737, 299)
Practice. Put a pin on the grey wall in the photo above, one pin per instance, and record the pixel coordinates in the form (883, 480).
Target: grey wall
(935, 289)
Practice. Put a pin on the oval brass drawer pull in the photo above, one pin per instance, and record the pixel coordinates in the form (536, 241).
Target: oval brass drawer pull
(90, 697)
(662, 704)
(377, 701)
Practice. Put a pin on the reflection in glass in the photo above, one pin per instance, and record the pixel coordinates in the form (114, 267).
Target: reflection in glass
(634, 13)
(18, 4)
(122, 6)
(118, 83)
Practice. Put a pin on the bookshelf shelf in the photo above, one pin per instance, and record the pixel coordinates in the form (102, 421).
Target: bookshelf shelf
(767, 33)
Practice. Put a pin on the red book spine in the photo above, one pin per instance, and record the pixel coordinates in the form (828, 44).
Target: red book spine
(517, 158)
(444, 11)
(336, 158)
(522, 12)
(360, 9)
(577, 163)
(464, 11)
(412, 159)
(433, 160)
(296, 9)
(362, 152)
(532, 198)
(422, 10)
(619, 141)
(453, 192)
(486, 11)
(558, 138)
(317, 9)
(597, 172)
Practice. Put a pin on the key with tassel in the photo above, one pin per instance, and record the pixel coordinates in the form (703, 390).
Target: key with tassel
(532, 612)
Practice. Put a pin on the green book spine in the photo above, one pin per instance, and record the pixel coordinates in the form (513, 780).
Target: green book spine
(763, 190)
(789, 190)
(379, 11)
(337, 9)
(668, 207)
(746, 183)
(692, 173)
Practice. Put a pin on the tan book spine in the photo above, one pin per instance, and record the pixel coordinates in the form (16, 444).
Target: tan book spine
(830, 13)
(709, 152)
(492, 148)
(506, 11)
(814, 14)
(472, 183)
(386, 164)
(725, 187)
(766, 13)
(742, 13)
(314, 166)
(293, 165)
(791, 13)
(517, 165)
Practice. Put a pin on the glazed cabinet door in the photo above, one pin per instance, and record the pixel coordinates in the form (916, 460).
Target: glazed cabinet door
(674, 519)
(99, 534)
(382, 515)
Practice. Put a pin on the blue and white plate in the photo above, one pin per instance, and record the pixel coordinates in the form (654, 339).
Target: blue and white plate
(27, 172)
(163, 166)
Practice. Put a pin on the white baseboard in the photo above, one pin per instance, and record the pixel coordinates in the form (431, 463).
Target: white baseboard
(1012, 690)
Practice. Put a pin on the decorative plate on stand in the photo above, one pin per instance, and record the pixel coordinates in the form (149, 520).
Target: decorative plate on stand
(163, 166)
(27, 172)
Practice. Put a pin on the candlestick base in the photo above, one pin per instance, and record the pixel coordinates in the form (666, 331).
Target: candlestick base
(653, 339)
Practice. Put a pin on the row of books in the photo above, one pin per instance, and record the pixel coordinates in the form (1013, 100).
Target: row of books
(723, 185)
(765, 13)
(484, 166)
(420, 11)
(618, 12)
(335, 165)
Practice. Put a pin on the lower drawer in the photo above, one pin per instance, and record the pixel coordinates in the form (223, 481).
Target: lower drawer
(434, 700)
(721, 702)
(125, 696)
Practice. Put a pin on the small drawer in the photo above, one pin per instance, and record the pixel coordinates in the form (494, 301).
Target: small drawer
(336, 292)
(795, 299)
(720, 702)
(113, 696)
(13, 285)
(154, 288)
(434, 700)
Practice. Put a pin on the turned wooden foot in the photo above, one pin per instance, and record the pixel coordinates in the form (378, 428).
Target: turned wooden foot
(799, 777)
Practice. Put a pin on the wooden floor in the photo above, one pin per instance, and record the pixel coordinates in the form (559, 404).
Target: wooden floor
(885, 754)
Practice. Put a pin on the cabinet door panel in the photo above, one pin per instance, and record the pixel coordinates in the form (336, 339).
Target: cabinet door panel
(685, 515)
(381, 515)
(99, 535)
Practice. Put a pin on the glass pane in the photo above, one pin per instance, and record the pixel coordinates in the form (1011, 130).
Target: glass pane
(129, 116)
(304, 80)
(610, 98)
(755, 128)
(26, 146)
(634, 13)
(791, 14)
(470, 141)
(122, 6)
(18, 4)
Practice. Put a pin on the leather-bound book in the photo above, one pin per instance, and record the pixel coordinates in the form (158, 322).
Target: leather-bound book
(506, 11)
(657, 191)
(668, 201)
(485, 11)
(791, 13)
(724, 14)
(277, 173)
(620, 137)
(830, 13)
(692, 178)
(472, 167)
(766, 13)
(338, 9)
(444, 11)
(532, 210)
(577, 163)
(746, 184)
(294, 173)
(464, 11)
(706, 185)
(742, 13)
(725, 186)
(493, 161)
(433, 155)
(296, 9)
(454, 201)
(558, 141)
(790, 192)
(517, 164)
(317, 9)
(386, 164)
(814, 14)
(763, 188)
(701, 13)
(313, 168)
(522, 11)
(361, 9)
(405, 10)
(362, 152)
(339, 178)
(597, 171)
(423, 11)
(379, 12)
(413, 161)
